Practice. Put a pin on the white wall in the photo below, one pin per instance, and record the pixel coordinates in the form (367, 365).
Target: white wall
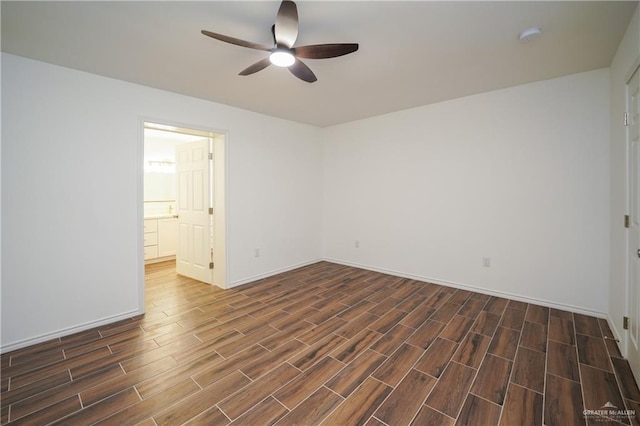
(627, 57)
(519, 175)
(70, 217)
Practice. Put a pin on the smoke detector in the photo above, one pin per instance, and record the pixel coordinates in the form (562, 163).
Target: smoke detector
(530, 33)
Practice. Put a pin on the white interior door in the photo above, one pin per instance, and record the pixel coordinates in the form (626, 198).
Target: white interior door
(633, 102)
(193, 192)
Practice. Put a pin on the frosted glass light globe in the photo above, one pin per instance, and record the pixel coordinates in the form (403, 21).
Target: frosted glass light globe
(282, 58)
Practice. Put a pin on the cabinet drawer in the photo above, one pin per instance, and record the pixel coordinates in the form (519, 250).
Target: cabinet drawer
(150, 239)
(150, 225)
(150, 252)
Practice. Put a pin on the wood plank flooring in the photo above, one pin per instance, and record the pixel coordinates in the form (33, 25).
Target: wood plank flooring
(324, 344)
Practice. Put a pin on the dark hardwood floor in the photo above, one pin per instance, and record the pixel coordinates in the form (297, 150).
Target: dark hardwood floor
(324, 344)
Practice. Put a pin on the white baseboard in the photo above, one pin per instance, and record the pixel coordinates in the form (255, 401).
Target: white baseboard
(71, 330)
(67, 331)
(486, 291)
(159, 259)
(622, 343)
(273, 272)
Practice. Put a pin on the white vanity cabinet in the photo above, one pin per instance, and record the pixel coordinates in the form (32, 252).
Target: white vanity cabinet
(167, 236)
(160, 238)
(150, 239)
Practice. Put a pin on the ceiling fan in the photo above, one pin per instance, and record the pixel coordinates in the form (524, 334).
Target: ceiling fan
(283, 54)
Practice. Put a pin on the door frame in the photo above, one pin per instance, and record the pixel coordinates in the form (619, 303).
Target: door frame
(220, 150)
(626, 339)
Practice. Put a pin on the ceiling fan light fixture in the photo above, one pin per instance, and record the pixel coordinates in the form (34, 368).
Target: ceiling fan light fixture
(282, 53)
(282, 58)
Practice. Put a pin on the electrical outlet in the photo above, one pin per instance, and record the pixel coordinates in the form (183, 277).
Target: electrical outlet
(257, 253)
(486, 262)
(357, 244)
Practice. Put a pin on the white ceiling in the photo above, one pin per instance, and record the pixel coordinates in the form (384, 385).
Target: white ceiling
(411, 53)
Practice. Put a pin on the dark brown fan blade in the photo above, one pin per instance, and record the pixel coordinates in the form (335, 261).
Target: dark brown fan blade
(260, 65)
(236, 41)
(300, 70)
(286, 28)
(323, 51)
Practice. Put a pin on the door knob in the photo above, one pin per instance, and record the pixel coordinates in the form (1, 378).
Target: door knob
(638, 252)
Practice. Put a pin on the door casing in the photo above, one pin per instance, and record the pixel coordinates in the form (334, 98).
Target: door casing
(632, 100)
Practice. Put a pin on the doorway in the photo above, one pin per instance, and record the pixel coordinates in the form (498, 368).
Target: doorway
(184, 201)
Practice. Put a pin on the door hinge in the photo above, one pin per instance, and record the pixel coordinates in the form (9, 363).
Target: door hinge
(211, 156)
(625, 323)
(626, 220)
(625, 119)
(211, 265)
(210, 210)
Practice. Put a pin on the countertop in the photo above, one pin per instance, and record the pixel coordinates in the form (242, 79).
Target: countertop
(160, 216)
